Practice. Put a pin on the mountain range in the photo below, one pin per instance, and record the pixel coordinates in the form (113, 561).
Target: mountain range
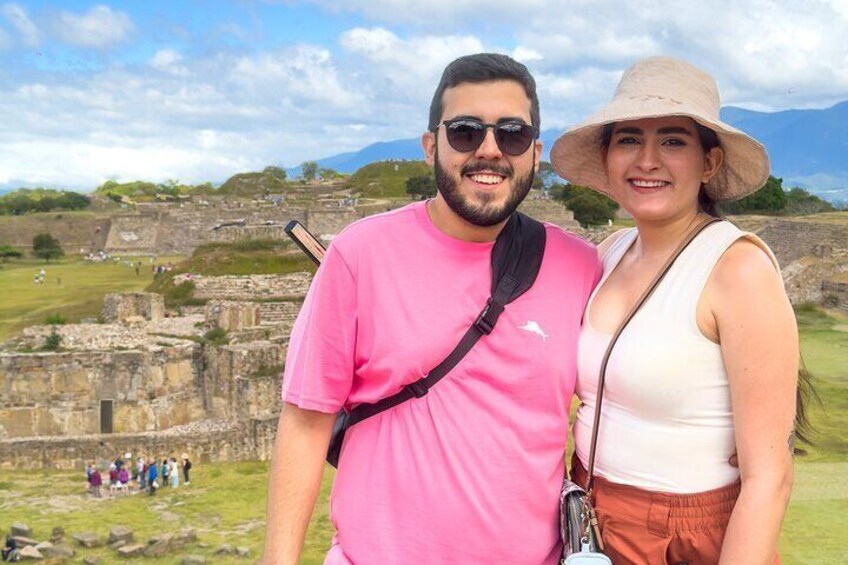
(808, 148)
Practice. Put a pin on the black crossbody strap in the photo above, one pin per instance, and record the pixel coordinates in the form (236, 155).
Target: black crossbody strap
(516, 259)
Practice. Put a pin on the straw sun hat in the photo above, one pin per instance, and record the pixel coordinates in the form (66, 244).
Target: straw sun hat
(660, 87)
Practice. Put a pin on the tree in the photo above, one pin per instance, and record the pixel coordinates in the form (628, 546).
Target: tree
(590, 209)
(309, 169)
(420, 187)
(327, 174)
(8, 252)
(770, 198)
(276, 172)
(45, 246)
(799, 201)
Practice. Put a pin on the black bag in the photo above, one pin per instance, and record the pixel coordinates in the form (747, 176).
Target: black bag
(516, 258)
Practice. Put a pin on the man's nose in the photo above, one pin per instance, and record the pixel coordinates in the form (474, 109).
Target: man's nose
(489, 148)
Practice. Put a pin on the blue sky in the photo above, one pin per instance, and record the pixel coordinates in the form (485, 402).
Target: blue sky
(200, 90)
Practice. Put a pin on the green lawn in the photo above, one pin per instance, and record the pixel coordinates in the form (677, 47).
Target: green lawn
(816, 525)
(73, 288)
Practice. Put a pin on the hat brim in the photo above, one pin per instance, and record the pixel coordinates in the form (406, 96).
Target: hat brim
(577, 155)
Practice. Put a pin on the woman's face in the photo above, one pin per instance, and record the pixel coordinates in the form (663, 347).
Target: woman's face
(656, 167)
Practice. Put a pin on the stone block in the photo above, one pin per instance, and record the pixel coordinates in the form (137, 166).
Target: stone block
(188, 535)
(88, 539)
(224, 549)
(29, 552)
(21, 529)
(136, 550)
(243, 551)
(193, 560)
(24, 541)
(232, 316)
(57, 550)
(120, 533)
(159, 545)
(91, 561)
(123, 307)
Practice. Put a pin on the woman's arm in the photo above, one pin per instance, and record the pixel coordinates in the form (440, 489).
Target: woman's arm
(759, 344)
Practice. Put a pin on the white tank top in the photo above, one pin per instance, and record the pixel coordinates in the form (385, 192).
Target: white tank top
(666, 421)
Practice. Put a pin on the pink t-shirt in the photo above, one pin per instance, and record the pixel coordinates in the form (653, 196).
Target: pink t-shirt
(471, 472)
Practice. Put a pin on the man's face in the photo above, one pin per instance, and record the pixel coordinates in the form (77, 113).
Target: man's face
(483, 186)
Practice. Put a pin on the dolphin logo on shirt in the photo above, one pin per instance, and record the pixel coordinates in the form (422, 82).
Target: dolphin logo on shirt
(534, 328)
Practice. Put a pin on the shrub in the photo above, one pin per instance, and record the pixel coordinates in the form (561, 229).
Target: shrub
(53, 342)
(218, 336)
(55, 320)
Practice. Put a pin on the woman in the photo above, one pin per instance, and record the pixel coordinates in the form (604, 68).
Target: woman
(708, 366)
(173, 473)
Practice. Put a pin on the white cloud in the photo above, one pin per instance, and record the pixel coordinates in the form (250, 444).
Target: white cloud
(526, 55)
(227, 114)
(404, 71)
(198, 110)
(99, 27)
(168, 61)
(18, 17)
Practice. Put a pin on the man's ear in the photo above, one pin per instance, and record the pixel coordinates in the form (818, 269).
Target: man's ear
(428, 142)
(537, 157)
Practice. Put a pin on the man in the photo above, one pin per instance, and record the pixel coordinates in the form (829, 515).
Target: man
(469, 473)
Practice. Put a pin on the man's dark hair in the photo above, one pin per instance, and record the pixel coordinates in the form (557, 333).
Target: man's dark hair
(483, 67)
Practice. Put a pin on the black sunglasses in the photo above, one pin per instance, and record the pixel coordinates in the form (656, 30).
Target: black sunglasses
(467, 134)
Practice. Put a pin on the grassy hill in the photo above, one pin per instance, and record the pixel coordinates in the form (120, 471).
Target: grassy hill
(386, 179)
(252, 257)
(250, 184)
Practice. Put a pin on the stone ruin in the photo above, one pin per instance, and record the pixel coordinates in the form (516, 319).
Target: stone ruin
(146, 382)
(138, 306)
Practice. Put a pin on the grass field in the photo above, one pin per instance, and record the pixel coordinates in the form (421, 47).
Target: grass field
(816, 526)
(73, 288)
(226, 501)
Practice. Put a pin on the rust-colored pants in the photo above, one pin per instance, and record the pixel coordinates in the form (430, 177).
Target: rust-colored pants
(641, 527)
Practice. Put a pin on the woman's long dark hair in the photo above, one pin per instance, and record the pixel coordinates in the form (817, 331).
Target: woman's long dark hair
(805, 392)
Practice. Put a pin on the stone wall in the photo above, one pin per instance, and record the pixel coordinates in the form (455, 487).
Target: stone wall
(61, 394)
(239, 233)
(77, 232)
(550, 211)
(121, 307)
(835, 294)
(203, 442)
(243, 380)
(264, 433)
(253, 287)
(232, 316)
(792, 239)
(133, 233)
(329, 222)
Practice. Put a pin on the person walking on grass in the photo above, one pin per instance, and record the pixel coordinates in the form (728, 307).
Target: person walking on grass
(186, 463)
(96, 482)
(152, 476)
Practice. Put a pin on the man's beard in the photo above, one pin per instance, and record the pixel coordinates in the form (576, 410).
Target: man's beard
(486, 214)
